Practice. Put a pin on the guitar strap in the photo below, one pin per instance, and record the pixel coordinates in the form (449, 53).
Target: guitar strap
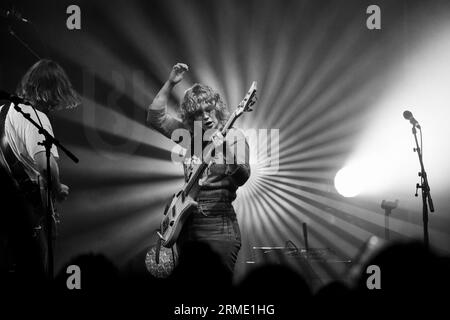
(158, 249)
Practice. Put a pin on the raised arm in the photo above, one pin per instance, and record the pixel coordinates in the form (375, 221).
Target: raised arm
(157, 116)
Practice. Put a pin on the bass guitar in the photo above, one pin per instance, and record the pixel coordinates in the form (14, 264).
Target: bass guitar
(183, 203)
(161, 259)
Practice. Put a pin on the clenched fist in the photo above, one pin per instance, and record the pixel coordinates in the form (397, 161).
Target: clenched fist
(177, 73)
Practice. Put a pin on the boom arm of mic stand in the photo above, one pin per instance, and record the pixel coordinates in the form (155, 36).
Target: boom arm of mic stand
(46, 134)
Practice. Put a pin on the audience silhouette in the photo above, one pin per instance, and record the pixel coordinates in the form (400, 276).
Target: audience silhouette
(409, 273)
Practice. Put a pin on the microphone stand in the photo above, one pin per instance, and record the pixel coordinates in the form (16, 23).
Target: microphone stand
(426, 196)
(387, 206)
(49, 140)
(13, 34)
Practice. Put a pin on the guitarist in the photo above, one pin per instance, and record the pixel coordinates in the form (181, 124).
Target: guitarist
(23, 242)
(215, 220)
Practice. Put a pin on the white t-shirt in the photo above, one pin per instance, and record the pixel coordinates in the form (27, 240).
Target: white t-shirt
(23, 137)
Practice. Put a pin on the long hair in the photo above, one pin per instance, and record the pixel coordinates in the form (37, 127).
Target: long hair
(47, 87)
(193, 99)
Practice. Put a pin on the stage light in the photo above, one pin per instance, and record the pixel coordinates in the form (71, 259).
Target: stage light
(386, 143)
(348, 181)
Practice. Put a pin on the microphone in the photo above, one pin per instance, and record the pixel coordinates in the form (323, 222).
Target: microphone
(14, 99)
(13, 14)
(408, 116)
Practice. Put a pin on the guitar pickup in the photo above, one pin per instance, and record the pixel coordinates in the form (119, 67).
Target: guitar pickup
(166, 208)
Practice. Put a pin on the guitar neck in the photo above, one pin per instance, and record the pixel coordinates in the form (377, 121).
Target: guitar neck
(208, 154)
(195, 177)
(229, 124)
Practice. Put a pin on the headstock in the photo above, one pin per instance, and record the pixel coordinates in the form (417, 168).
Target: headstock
(248, 101)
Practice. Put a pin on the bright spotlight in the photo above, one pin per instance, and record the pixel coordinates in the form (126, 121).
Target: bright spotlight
(348, 181)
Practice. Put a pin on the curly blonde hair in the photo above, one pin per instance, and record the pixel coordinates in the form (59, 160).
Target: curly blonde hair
(193, 99)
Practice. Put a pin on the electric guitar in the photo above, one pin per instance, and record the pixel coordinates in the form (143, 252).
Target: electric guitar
(47, 206)
(161, 259)
(183, 203)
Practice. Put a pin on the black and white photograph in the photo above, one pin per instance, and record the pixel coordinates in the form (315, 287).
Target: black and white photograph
(224, 159)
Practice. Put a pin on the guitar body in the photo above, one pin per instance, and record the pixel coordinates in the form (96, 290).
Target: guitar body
(176, 214)
(47, 206)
